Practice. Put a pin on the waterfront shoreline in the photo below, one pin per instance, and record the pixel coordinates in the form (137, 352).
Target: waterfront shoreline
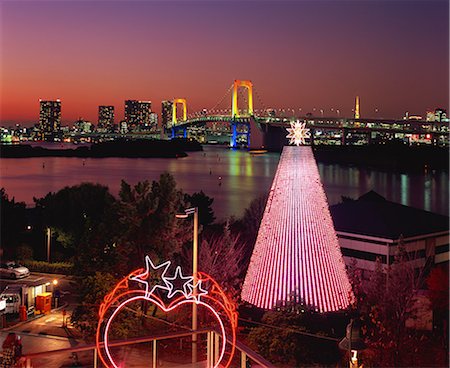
(390, 157)
(122, 148)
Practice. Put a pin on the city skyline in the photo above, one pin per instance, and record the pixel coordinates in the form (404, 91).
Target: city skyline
(298, 55)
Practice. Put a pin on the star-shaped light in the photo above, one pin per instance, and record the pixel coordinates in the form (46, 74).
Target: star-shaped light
(298, 133)
(199, 293)
(181, 283)
(145, 277)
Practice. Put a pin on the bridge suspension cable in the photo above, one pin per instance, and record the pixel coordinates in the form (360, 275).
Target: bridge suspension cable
(243, 97)
(221, 100)
(259, 99)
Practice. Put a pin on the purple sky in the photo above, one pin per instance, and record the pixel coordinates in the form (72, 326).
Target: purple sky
(308, 54)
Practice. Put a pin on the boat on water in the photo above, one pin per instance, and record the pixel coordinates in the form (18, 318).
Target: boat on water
(257, 151)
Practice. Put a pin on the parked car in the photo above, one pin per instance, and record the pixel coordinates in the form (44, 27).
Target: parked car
(13, 270)
(12, 300)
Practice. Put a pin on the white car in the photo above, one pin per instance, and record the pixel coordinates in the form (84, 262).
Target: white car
(13, 270)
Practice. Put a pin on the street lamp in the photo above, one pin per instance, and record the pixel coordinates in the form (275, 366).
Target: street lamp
(187, 212)
(54, 284)
(352, 342)
(49, 234)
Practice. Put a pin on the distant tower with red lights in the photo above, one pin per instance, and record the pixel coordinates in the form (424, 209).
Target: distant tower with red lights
(297, 258)
(357, 114)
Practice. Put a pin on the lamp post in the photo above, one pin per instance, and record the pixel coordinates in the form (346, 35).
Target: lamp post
(54, 284)
(49, 234)
(187, 212)
(352, 342)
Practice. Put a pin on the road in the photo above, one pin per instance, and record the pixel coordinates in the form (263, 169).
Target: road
(46, 333)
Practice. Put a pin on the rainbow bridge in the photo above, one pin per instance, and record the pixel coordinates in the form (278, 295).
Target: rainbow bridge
(257, 129)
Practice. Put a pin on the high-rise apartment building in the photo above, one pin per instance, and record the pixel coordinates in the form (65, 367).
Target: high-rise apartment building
(440, 115)
(430, 116)
(132, 112)
(106, 117)
(137, 112)
(154, 120)
(49, 118)
(145, 108)
(166, 114)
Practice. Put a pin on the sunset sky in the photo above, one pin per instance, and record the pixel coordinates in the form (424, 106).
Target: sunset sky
(308, 54)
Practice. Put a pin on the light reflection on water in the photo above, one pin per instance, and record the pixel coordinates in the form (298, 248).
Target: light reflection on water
(232, 178)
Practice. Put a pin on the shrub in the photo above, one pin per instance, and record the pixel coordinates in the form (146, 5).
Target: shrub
(65, 268)
(24, 252)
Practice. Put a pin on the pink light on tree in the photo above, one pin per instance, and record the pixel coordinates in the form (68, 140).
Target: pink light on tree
(297, 257)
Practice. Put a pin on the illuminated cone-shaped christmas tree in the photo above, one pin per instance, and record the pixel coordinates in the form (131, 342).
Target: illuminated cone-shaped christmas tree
(297, 257)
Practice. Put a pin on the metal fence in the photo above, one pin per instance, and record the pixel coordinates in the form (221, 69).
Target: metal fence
(158, 355)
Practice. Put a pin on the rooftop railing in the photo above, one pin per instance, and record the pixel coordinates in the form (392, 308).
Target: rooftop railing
(87, 355)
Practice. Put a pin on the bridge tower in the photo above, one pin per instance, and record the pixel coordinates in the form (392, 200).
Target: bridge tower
(234, 101)
(175, 102)
(357, 115)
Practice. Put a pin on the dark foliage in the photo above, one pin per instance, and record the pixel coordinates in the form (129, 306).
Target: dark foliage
(147, 217)
(204, 203)
(385, 303)
(291, 336)
(389, 156)
(118, 148)
(83, 220)
(247, 227)
(12, 226)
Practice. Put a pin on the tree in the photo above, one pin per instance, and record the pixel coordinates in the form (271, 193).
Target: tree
(24, 252)
(204, 203)
(84, 220)
(286, 336)
(221, 256)
(280, 344)
(248, 226)
(253, 216)
(13, 222)
(437, 283)
(386, 302)
(147, 216)
(92, 290)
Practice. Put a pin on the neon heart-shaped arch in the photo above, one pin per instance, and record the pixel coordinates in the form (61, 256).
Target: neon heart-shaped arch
(172, 307)
(122, 294)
